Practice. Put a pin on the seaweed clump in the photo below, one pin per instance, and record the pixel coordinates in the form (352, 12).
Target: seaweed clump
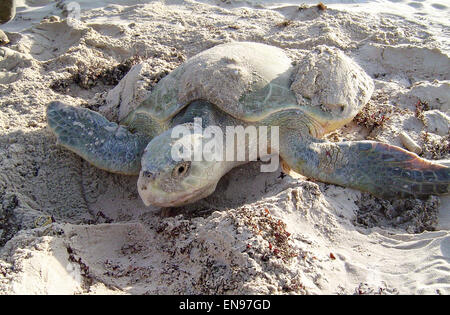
(273, 231)
(373, 116)
(435, 148)
(86, 77)
(412, 215)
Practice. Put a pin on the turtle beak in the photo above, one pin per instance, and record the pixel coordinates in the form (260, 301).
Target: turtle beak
(151, 194)
(146, 202)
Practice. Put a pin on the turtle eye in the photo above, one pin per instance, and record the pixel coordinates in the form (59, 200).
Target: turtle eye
(181, 169)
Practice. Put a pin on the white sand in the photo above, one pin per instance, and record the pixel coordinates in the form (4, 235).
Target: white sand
(259, 233)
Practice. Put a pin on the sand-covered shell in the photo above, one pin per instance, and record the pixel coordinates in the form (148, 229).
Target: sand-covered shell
(251, 80)
(331, 86)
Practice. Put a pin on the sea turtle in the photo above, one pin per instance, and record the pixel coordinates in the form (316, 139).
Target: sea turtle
(247, 84)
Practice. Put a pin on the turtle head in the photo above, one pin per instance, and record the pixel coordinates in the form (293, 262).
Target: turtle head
(171, 178)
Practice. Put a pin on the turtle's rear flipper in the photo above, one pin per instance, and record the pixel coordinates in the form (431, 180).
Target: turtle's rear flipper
(90, 135)
(384, 170)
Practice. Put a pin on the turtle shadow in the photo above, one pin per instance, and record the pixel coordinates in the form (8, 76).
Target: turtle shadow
(40, 183)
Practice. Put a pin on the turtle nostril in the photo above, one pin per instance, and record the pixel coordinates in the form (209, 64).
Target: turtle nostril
(148, 174)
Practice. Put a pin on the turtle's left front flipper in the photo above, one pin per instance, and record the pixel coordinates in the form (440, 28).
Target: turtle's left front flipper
(384, 170)
(90, 135)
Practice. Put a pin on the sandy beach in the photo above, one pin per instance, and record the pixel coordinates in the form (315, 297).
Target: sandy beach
(67, 227)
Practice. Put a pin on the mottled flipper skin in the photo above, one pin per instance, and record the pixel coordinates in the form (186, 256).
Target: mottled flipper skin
(394, 172)
(90, 135)
(384, 170)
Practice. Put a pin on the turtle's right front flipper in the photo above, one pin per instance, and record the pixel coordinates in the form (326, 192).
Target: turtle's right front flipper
(90, 135)
(384, 170)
